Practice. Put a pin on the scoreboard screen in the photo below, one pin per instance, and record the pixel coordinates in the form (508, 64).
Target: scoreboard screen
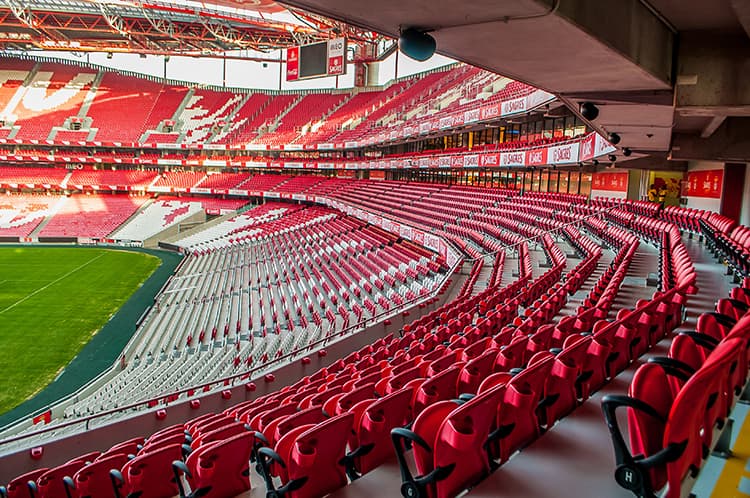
(316, 60)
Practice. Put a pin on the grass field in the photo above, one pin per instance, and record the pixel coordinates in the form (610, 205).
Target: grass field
(52, 301)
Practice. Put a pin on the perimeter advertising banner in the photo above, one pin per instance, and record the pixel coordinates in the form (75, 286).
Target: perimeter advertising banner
(336, 56)
(706, 183)
(292, 63)
(610, 181)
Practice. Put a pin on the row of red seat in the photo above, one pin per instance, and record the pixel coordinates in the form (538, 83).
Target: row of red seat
(678, 404)
(728, 240)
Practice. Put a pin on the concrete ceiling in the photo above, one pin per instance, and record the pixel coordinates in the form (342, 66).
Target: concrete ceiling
(634, 59)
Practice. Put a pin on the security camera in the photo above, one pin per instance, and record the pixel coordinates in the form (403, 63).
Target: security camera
(612, 158)
(614, 138)
(626, 152)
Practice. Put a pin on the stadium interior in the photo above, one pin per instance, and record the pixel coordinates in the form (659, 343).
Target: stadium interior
(523, 271)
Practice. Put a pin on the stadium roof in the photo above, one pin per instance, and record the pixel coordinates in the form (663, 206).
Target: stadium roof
(165, 26)
(665, 74)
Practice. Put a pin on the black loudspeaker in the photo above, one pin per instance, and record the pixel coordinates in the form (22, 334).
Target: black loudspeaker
(589, 111)
(416, 44)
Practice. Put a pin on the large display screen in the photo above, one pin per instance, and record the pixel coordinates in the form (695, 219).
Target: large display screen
(316, 60)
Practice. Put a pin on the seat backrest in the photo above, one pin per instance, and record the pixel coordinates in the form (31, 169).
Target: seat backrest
(93, 481)
(437, 388)
(714, 324)
(687, 350)
(426, 425)
(475, 371)
(316, 454)
(150, 474)
(50, 484)
(222, 468)
(228, 430)
(129, 447)
(461, 442)
(18, 487)
(351, 398)
(511, 356)
(374, 427)
(277, 429)
(259, 422)
(158, 443)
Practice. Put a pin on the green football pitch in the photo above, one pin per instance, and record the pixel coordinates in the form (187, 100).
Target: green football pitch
(52, 301)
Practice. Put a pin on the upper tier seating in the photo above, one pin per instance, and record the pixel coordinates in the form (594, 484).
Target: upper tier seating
(128, 109)
(309, 110)
(204, 111)
(82, 178)
(180, 179)
(32, 176)
(223, 181)
(121, 107)
(54, 94)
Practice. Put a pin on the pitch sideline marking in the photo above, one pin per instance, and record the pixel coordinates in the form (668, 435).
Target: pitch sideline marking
(52, 283)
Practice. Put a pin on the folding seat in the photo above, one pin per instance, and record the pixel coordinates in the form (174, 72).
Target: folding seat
(192, 425)
(319, 398)
(50, 484)
(311, 460)
(94, 480)
(398, 381)
(372, 431)
(511, 356)
(224, 432)
(277, 428)
(161, 442)
(741, 294)
(618, 340)
(439, 387)
(477, 348)
(668, 431)
(449, 441)
(18, 487)
(259, 421)
(446, 360)
(525, 392)
(732, 308)
(567, 384)
(347, 400)
(715, 325)
(659, 314)
(129, 447)
(149, 475)
(741, 331)
(218, 469)
(563, 329)
(475, 371)
(692, 348)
